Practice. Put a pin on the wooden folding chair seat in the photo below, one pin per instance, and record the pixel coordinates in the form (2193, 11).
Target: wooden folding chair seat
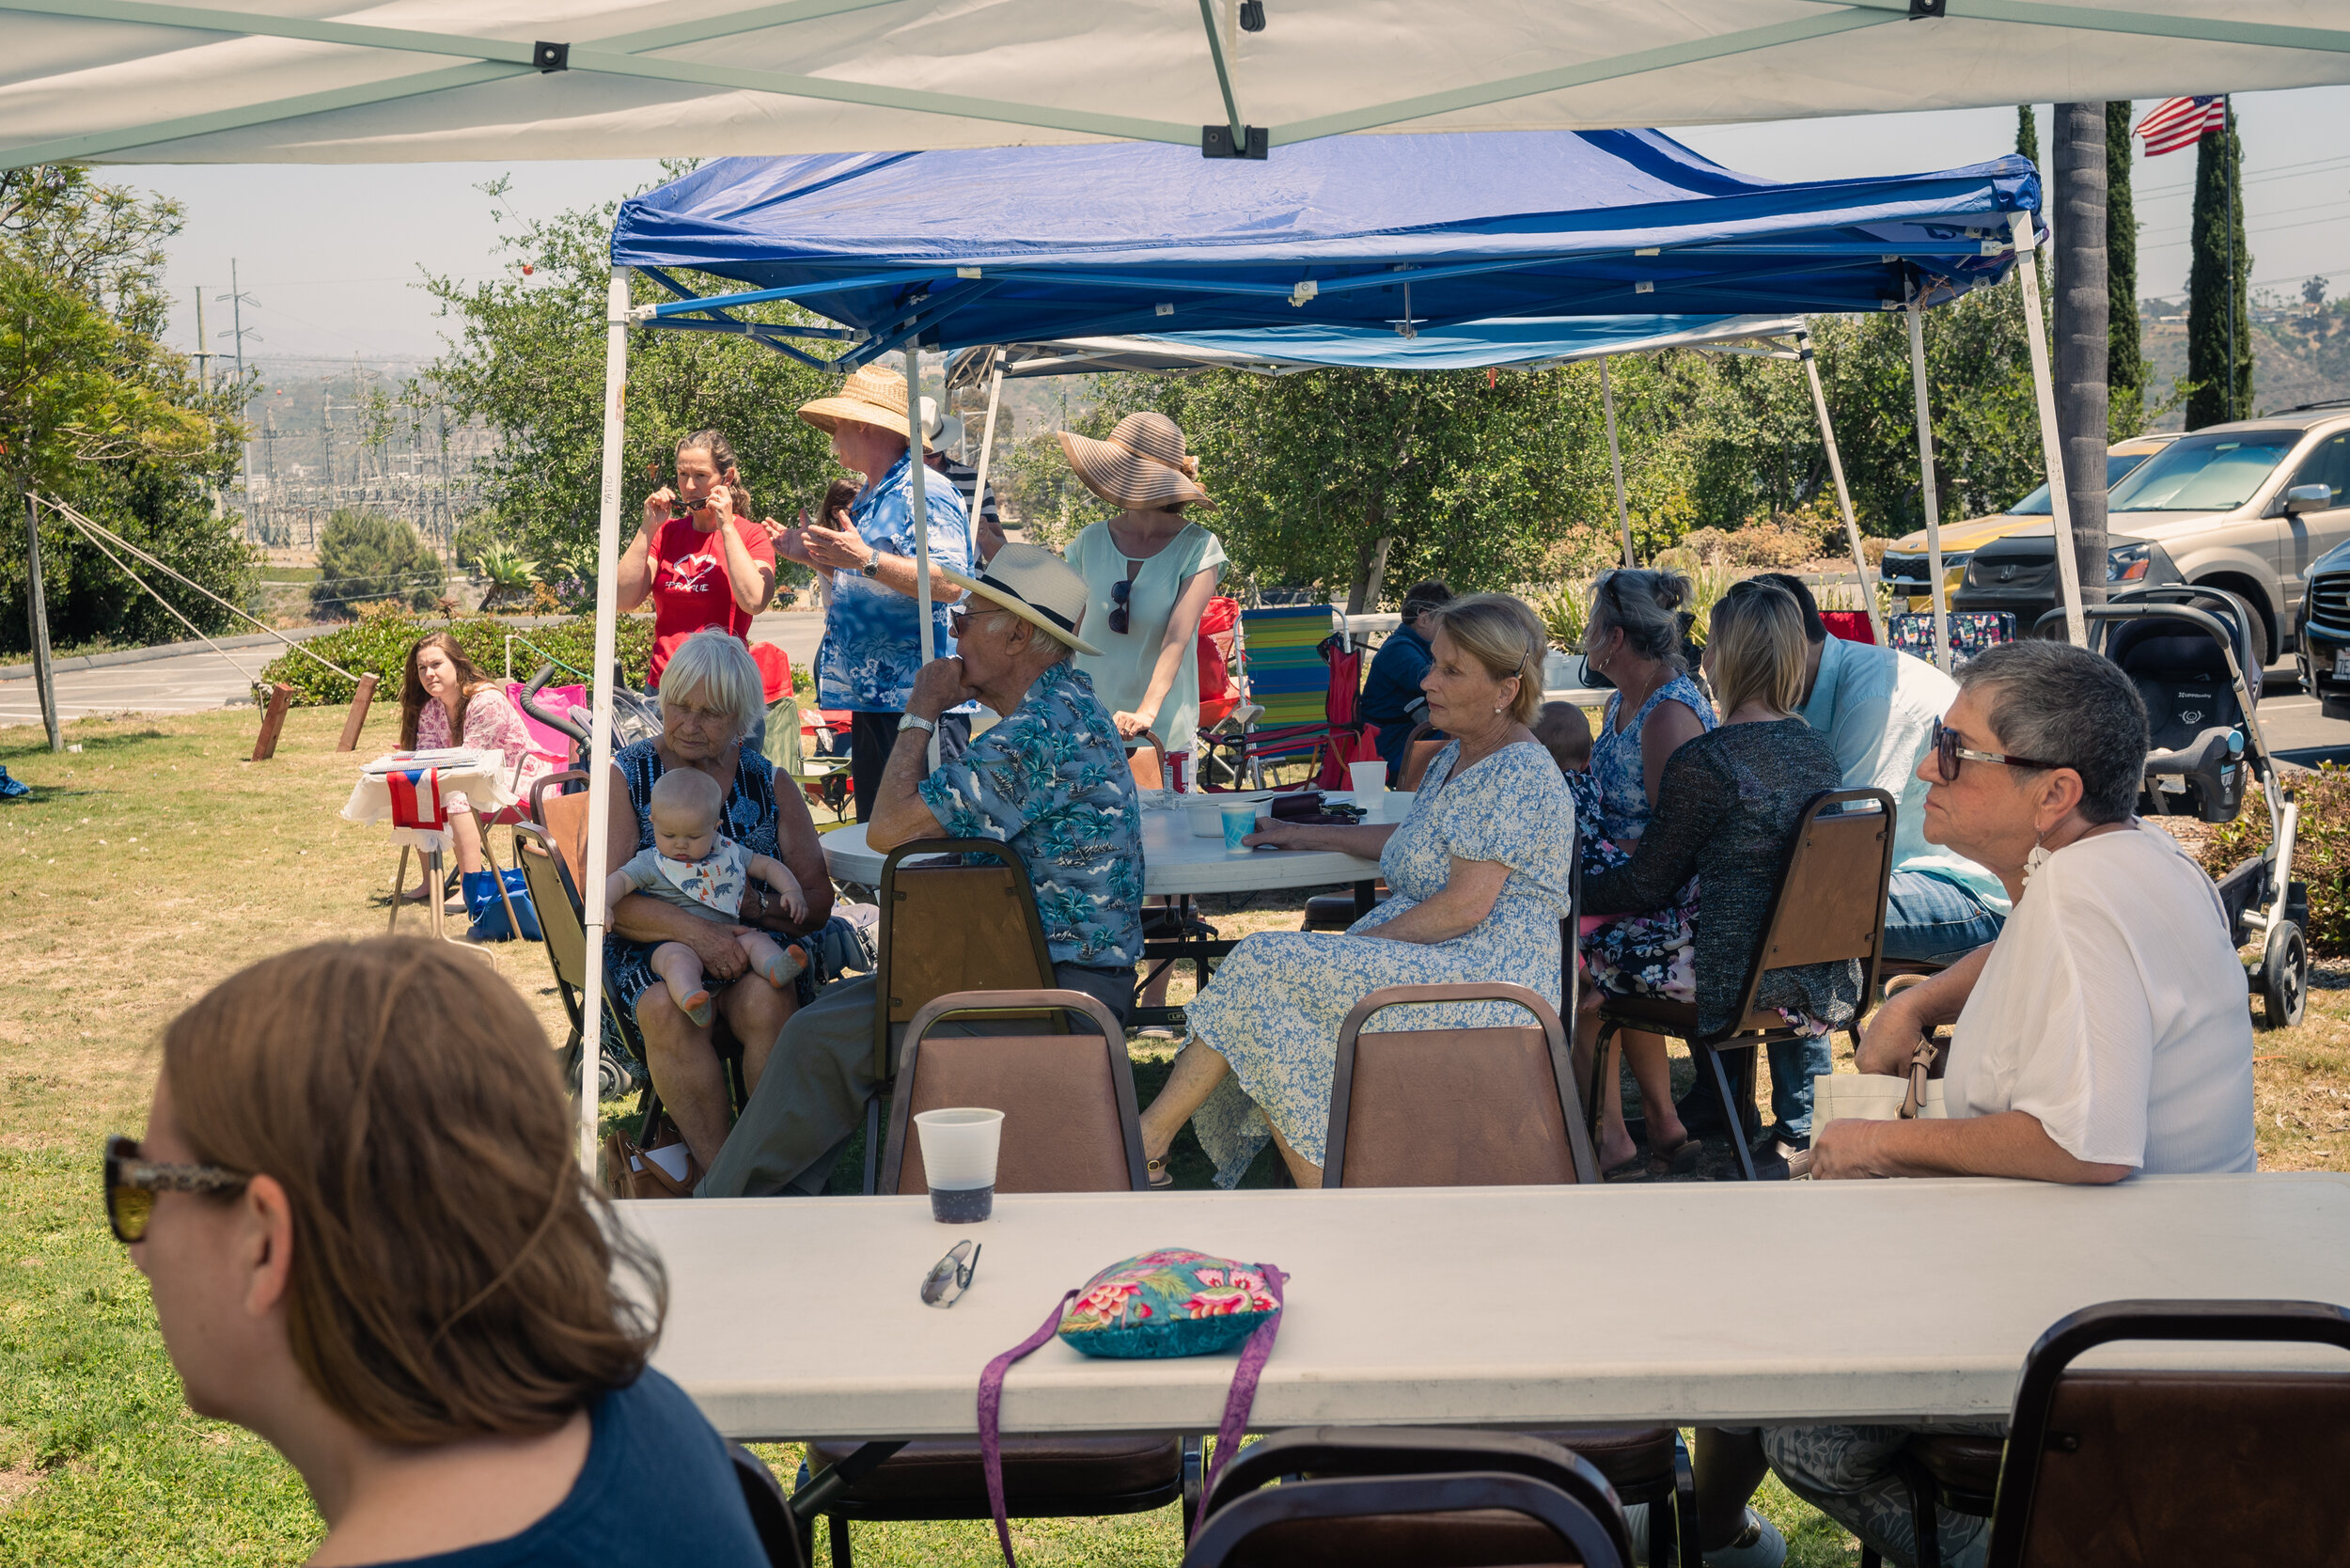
(1829, 907)
(2130, 1469)
(1069, 1126)
(1482, 1107)
(1373, 1498)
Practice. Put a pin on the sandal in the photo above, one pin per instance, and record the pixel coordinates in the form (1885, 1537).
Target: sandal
(1160, 1178)
(1633, 1169)
(1679, 1159)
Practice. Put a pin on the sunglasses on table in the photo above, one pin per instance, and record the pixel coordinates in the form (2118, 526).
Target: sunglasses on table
(950, 1276)
(1948, 753)
(132, 1184)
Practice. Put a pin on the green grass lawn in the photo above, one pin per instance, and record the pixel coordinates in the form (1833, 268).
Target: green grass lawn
(155, 862)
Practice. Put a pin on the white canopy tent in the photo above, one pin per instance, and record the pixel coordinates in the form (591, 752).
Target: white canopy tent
(420, 81)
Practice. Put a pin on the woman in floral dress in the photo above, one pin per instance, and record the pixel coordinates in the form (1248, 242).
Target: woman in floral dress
(1478, 878)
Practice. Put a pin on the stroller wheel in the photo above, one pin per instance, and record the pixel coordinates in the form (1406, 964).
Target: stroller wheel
(2285, 976)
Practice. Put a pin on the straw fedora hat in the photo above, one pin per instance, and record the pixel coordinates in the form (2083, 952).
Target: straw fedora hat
(871, 395)
(1035, 584)
(1142, 465)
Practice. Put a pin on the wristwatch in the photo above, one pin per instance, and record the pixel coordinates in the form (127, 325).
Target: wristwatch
(914, 721)
(872, 565)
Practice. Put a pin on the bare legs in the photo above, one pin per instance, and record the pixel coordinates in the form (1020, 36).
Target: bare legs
(1729, 1465)
(1198, 1070)
(683, 1060)
(1651, 1069)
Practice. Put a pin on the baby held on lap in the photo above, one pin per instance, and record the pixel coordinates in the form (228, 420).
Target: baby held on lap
(694, 866)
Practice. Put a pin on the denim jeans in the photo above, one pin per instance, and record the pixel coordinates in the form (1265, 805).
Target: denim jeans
(1928, 917)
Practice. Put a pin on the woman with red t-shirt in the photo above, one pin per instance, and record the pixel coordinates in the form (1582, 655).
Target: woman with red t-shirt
(700, 554)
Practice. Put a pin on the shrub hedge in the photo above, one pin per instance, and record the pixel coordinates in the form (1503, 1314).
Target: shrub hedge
(2321, 852)
(381, 642)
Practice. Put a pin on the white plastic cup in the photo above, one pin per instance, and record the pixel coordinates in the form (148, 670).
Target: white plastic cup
(959, 1149)
(1370, 780)
(1239, 823)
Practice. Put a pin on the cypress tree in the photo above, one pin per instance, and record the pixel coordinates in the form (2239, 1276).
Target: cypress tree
(2217, 312)
(2125, 359)
(2026, 134)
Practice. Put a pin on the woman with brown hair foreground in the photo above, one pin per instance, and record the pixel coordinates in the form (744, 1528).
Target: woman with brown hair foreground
(370, 1242)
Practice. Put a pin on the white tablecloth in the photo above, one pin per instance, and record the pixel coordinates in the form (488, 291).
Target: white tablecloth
(1527, 1307)
(484, 781)
(1174, 860)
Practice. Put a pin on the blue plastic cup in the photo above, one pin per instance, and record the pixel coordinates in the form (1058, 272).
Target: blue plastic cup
(1239, 823)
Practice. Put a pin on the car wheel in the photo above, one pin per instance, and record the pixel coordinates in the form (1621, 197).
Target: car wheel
(2284, 976)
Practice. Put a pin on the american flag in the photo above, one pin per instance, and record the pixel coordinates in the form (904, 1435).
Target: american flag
(2180, 122)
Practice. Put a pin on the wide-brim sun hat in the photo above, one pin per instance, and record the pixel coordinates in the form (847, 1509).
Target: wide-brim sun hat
(1035, 584)
(1142, 465)
(941, 433)
(871, 395)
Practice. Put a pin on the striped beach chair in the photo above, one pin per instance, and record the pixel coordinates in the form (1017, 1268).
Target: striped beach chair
(1300, 687)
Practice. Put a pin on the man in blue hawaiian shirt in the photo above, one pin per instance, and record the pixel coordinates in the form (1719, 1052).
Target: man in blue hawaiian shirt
(1050, 780)
(872, 627)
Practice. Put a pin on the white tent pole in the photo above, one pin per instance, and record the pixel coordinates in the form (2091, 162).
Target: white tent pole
(921, 513)
(2051, 447)
(1943, 653)
(1615, 461)
(987, 444)
(599, 741)
(1836, 472)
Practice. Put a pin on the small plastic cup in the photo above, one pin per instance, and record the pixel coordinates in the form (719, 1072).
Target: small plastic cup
(1239, 823)
(959, 1148)
(1370, 781)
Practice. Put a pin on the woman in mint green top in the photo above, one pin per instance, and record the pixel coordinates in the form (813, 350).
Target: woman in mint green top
(1149, 573)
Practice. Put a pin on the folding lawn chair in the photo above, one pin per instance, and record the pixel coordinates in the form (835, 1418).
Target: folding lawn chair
(1301, 686)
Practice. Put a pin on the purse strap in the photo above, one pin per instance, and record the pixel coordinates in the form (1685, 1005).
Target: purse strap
(1237, 1402)
(1921, 1073)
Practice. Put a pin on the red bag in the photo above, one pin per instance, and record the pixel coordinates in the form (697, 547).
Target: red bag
(1215, 648)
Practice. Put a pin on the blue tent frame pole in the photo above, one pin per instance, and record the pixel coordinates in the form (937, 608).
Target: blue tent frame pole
(1615, 460)
(1836, 472)
(1944, 655)
(600, 743)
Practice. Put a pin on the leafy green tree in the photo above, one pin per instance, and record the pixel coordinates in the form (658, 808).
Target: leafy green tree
(2218, 317)
(528, 358)
(368, 558)
(95, 413)
(2125, 353)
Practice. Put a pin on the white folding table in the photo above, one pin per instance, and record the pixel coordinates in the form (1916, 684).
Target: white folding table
(1175, 861)
(1524, 1307)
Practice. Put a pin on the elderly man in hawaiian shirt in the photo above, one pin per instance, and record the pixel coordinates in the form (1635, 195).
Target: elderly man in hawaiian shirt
(1051, 781)
(872, 626)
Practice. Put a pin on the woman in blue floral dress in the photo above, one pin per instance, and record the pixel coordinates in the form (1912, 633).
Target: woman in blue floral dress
(1478, 877)
(1634, 637)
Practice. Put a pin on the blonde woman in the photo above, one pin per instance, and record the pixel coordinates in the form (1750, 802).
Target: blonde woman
(1480, 875)
(1727, 805)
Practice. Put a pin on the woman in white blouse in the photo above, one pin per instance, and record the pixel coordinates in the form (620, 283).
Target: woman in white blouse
(2106, 1031)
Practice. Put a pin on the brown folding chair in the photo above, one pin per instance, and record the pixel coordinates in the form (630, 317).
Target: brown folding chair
(1146, 754)
(1483, 1107)
(1069, 1126)
(946, 926)
(1372, 1498)
(563, 813)
(1829, 908)
(1417, 754)
(2130, 1469)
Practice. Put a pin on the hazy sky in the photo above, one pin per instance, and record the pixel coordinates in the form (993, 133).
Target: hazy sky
(332, 254)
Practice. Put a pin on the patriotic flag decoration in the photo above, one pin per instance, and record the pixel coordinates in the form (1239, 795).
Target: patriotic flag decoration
(417, 799)
(2180, 122)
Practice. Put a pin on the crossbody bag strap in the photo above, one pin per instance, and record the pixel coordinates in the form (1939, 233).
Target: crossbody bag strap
(991, 1422)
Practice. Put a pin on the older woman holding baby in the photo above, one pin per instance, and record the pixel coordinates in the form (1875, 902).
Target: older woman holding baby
(711, 697)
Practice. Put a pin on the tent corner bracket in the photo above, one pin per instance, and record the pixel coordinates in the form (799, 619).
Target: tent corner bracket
(1919, 8)
(550, 57)
(1217, 141)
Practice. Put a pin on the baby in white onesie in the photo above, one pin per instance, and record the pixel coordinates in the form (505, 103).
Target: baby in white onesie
(694, 866)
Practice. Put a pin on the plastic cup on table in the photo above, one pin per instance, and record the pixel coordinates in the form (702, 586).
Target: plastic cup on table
(1370, 781)
(959, 1148)
(1239, 823)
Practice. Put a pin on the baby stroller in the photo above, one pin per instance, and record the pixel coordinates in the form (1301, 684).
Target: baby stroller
(2188, 650)
(634, 715)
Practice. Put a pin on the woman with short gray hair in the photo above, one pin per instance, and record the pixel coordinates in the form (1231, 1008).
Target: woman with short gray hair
(710, 698)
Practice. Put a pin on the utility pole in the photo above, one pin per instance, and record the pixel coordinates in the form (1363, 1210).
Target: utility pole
(203, 357)
(238, 299)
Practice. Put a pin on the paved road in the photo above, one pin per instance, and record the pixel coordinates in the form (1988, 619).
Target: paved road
(200, 682)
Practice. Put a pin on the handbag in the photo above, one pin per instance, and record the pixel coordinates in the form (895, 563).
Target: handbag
(1167, 1303)
(1881, 1096)
(487, 911)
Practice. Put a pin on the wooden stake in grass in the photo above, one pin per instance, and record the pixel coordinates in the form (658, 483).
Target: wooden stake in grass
(280, 698)
(358, 715)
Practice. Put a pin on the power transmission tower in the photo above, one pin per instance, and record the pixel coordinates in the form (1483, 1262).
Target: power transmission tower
(237, 298)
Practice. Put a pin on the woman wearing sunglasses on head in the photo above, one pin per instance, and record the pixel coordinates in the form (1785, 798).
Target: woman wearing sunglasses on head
(359, 1209)
(1149, 572)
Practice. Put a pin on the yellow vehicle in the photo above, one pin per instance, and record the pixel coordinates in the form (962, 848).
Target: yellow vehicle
(1906, 569)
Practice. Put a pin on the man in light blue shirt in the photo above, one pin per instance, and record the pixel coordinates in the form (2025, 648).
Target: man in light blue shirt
(1877, 708)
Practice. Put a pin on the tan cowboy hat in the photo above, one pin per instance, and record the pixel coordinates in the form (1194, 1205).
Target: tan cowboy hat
(1035, 584)
(1143, 464)
(871, 395)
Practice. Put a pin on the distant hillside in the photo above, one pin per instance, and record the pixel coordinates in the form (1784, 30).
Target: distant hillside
(2295, 359)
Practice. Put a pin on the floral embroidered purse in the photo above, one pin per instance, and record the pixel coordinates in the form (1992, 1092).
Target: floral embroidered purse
(1170, 1302)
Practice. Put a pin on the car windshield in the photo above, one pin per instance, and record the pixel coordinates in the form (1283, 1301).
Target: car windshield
(2205, 473)
(2117, 464)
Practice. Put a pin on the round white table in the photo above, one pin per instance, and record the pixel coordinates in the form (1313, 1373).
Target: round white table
(1175, 861)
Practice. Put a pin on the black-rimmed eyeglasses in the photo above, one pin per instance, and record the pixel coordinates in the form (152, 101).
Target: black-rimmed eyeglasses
(1948, 753)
